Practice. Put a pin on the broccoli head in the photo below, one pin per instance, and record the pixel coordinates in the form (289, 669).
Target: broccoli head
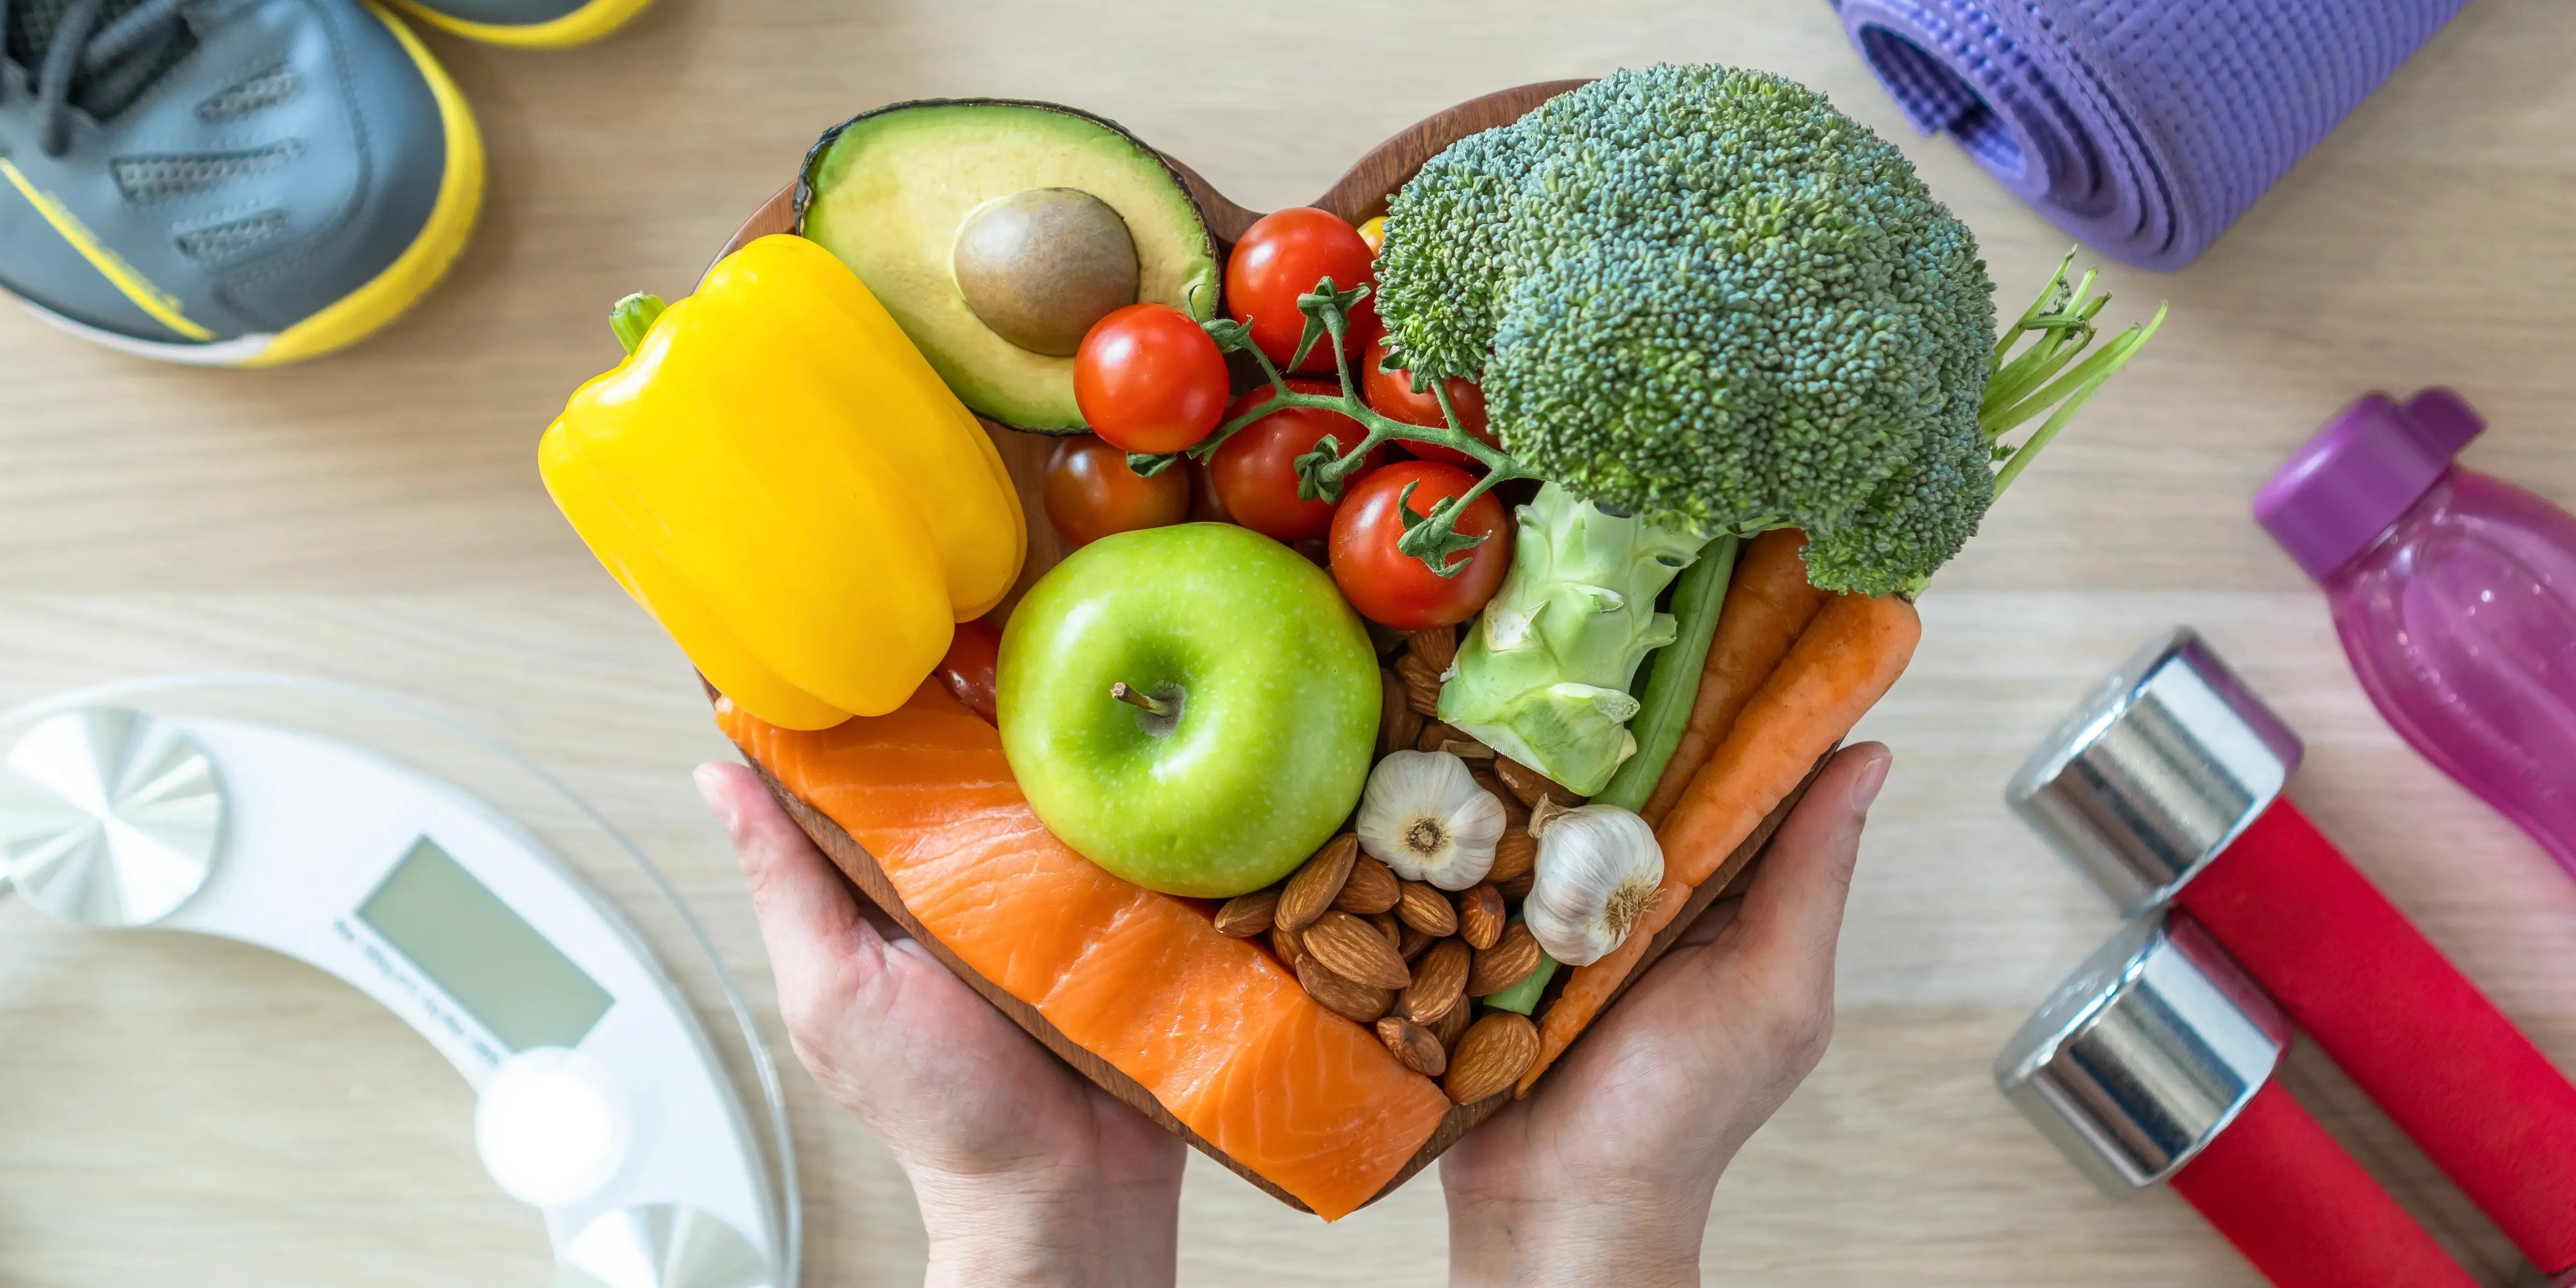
(1705, 297)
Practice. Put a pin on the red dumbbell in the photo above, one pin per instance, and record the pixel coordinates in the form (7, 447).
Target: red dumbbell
(2153, 1064)
(2165, 788)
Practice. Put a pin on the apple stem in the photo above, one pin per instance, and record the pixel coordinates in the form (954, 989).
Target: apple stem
(1133, 698)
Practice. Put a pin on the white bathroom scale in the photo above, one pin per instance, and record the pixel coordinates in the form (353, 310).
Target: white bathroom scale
(426, 866)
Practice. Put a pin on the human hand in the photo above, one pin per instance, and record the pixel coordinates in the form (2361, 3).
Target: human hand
(1605, 1173)
(1026, 1173)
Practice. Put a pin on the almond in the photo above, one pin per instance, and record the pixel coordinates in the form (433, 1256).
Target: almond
(1493, 1055)
(1370, 889)
(1532, 786)
(1518, 888)
(1508, 962)
(1515, 814)
(1480, 915)
(1453, 1026)
(1413, 1044)
(1389, 927)
(1314, 886)
(1246, 915)
(1515, 855)
(1285, 944)
(1422, 907)
(1414, 944)
(1468, 750)
(1435, 735)
(1437, 647)
(1398, 724)
(1357, 951)
(1439, 982)
(1421, 683)
(1351, 1001)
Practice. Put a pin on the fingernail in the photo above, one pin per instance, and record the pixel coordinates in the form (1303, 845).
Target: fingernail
(711, 790)
(1872, 777)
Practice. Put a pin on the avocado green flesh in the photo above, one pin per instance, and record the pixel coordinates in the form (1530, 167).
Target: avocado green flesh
(890, 194)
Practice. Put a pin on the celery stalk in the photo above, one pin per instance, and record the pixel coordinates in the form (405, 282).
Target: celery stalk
(1673, 683)
(1523, 996)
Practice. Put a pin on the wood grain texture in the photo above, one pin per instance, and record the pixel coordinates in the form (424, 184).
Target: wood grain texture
(176, 1113)
(1359, 194)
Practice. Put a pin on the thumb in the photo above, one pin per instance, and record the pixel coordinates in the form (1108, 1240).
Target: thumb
(1793, 911)
(809, 918)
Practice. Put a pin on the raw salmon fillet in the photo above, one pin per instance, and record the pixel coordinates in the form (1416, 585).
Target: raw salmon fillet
(1223, 1037)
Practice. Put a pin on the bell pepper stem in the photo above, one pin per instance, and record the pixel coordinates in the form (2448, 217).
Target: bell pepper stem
(634, 316)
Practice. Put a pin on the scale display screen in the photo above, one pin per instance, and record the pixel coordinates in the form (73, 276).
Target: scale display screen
(470, 944)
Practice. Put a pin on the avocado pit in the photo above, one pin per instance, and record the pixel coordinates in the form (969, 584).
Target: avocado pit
(1040, 265)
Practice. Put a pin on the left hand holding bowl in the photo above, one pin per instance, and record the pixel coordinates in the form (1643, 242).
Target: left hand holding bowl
(1025, 1172)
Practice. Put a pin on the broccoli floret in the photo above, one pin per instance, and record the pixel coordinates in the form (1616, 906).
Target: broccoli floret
(1450, 291)
(1703, 296)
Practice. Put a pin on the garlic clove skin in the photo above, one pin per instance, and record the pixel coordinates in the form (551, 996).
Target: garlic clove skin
(1598, 869)
(1426, 817)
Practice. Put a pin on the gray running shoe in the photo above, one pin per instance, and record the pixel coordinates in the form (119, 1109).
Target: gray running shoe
(227, 182)
(528, 24)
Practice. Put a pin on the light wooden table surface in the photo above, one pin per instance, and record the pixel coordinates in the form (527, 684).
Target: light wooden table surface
(182, 1112)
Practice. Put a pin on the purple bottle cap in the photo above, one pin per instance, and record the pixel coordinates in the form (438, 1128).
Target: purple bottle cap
(2363, 471)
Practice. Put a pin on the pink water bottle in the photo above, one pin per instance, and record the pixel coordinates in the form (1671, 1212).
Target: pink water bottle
(2455, 596)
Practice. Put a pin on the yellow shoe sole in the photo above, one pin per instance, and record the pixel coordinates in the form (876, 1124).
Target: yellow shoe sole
(451, 224)
(593, 21)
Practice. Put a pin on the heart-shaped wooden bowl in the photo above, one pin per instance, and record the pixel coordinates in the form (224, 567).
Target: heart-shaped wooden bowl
(1360, 194)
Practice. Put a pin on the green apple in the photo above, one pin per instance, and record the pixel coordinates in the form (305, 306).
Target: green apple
(1192, 707)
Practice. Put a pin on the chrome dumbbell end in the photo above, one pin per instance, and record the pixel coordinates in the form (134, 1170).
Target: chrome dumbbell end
(2156, 772)
(2144, 1054)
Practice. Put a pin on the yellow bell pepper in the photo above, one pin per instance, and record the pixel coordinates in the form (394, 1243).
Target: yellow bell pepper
(781, 479)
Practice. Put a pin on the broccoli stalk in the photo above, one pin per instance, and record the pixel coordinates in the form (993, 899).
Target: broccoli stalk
(1544, 676)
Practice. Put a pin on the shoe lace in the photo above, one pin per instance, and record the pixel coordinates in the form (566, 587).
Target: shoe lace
(84, 47)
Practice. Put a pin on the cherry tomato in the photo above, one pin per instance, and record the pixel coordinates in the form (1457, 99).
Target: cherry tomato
(1090, 492)
(974, 653)
(1205, 505)
(1392, 588)
(1281, 257)
(1255, 472)
(1148, 379)
(1390, 394)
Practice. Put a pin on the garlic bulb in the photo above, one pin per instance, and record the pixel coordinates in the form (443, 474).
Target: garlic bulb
(1425, 816)
(1598, 867)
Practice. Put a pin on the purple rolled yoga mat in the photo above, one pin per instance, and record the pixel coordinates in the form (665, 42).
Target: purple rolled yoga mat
(2144, 127)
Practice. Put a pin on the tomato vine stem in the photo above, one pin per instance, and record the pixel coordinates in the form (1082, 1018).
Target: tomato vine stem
(1432, 538)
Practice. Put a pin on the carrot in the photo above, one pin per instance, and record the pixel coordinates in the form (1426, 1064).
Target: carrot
(1841, 665)
(1768, 605)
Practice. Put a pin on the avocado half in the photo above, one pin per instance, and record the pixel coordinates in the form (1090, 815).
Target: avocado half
(890, 192)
